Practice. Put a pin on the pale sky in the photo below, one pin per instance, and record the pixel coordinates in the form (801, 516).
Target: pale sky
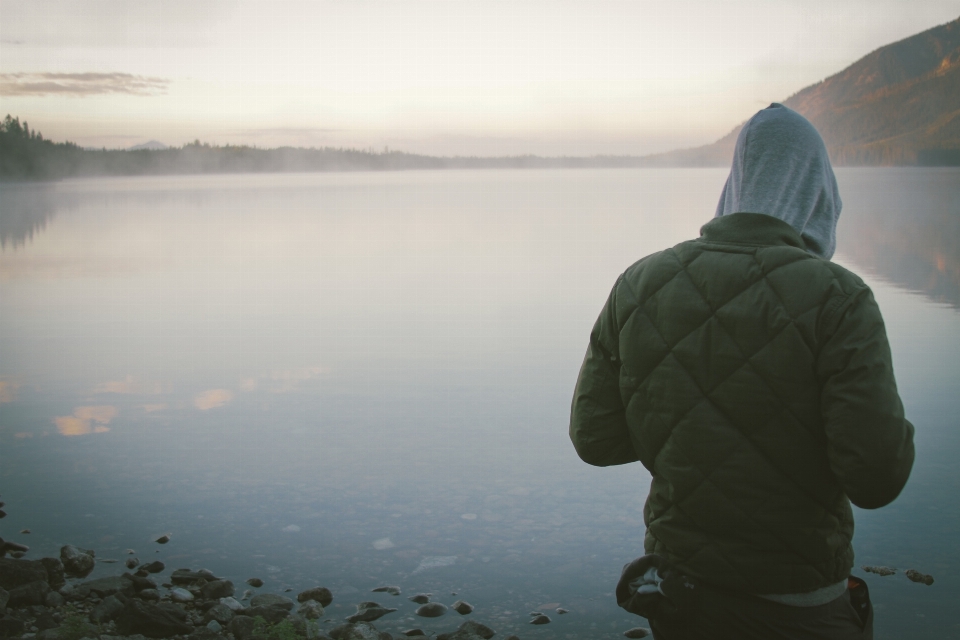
(450, 77)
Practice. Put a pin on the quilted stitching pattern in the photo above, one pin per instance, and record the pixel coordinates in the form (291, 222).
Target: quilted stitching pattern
(742, 482)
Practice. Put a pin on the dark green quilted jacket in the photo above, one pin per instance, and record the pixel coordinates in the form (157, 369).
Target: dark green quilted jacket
(754, 381)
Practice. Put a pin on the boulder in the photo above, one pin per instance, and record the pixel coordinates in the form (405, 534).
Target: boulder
(108, 609)
(311, 610)
(461, 607)
(77, 563)
(32, 593)
(14, 573)
(55, 572)
(53, 600)
(431, 610)
(368, 612)
(217, 589)
(103, 587)
(272, 615)
(242, 627)
(151, 620)
(272, 600)
(320, 594)
(219, 612)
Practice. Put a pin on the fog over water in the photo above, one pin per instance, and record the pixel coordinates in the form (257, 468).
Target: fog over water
(340, 379)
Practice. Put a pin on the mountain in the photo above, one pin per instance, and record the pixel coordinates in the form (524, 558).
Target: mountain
(153, 145)
(899, 105)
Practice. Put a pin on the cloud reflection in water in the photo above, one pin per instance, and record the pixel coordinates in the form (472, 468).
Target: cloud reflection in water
(82, 421)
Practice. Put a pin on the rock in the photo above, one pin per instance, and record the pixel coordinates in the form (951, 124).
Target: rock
(14, 573)
(880, 571)
(272, 615)
(255, 582)
(916, 576)
(561, 610)
(77, 563)
(53, 600)
(164, 539)
(215, 626)
(131, 563)
(185, 576)
(394, 591)
(153, 621)
(4, 598)
(311, 610)
(203, 633)
(431, 610)
(413, 632)
(420, 598)
(461, 607)
(32, 593)
(108, 609)
(535, 613)
(149, 594)
(207, 574)
(637, 632)
(471, 630)
(512, 638)
(242, 627)
(152, 567)
(320, 594)
(217, 589)
(356, 631)
(540, 619)
(368, 612)
(179, 594)
(55, 576)
(232, 604)
(220, 613)
(103, 587)
(272, 600)
(139, 582)
(11, 627)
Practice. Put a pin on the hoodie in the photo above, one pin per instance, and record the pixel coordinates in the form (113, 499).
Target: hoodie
(781, 168)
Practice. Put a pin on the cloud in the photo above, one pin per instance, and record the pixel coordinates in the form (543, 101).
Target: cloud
(79, 84)
(81, 422)
(212, 398)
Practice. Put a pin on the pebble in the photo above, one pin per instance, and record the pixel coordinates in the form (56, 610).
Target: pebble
(164, 539)
(461, 607)
(916, 576)
(431, 610)
(420, 598)
(540, 619)
(637, 632)
(880, 571)
(255, 582)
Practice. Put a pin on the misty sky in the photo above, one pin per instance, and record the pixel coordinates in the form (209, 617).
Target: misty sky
(484, 77)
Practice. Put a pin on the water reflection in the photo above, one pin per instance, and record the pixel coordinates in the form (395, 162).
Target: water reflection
(904, 227)
(25, 209)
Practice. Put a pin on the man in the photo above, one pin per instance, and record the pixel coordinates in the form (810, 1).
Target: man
(752, 378)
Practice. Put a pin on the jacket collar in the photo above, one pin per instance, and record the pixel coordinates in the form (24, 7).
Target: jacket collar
(756, 229)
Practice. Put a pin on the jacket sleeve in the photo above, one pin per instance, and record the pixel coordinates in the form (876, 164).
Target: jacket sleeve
(870, 443)
(598, 426)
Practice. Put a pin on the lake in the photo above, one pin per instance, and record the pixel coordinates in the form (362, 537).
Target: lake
(363, 379)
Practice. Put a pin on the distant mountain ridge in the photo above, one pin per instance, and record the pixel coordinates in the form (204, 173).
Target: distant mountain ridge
(899, 105)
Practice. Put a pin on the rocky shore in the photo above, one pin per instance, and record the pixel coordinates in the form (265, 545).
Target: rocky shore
(51, 599)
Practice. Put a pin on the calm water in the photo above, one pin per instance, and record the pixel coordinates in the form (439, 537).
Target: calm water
(364, 379)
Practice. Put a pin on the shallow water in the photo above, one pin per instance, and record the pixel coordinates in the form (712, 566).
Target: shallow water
(364, 379)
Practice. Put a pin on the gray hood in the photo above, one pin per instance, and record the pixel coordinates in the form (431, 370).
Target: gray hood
(781, 168)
